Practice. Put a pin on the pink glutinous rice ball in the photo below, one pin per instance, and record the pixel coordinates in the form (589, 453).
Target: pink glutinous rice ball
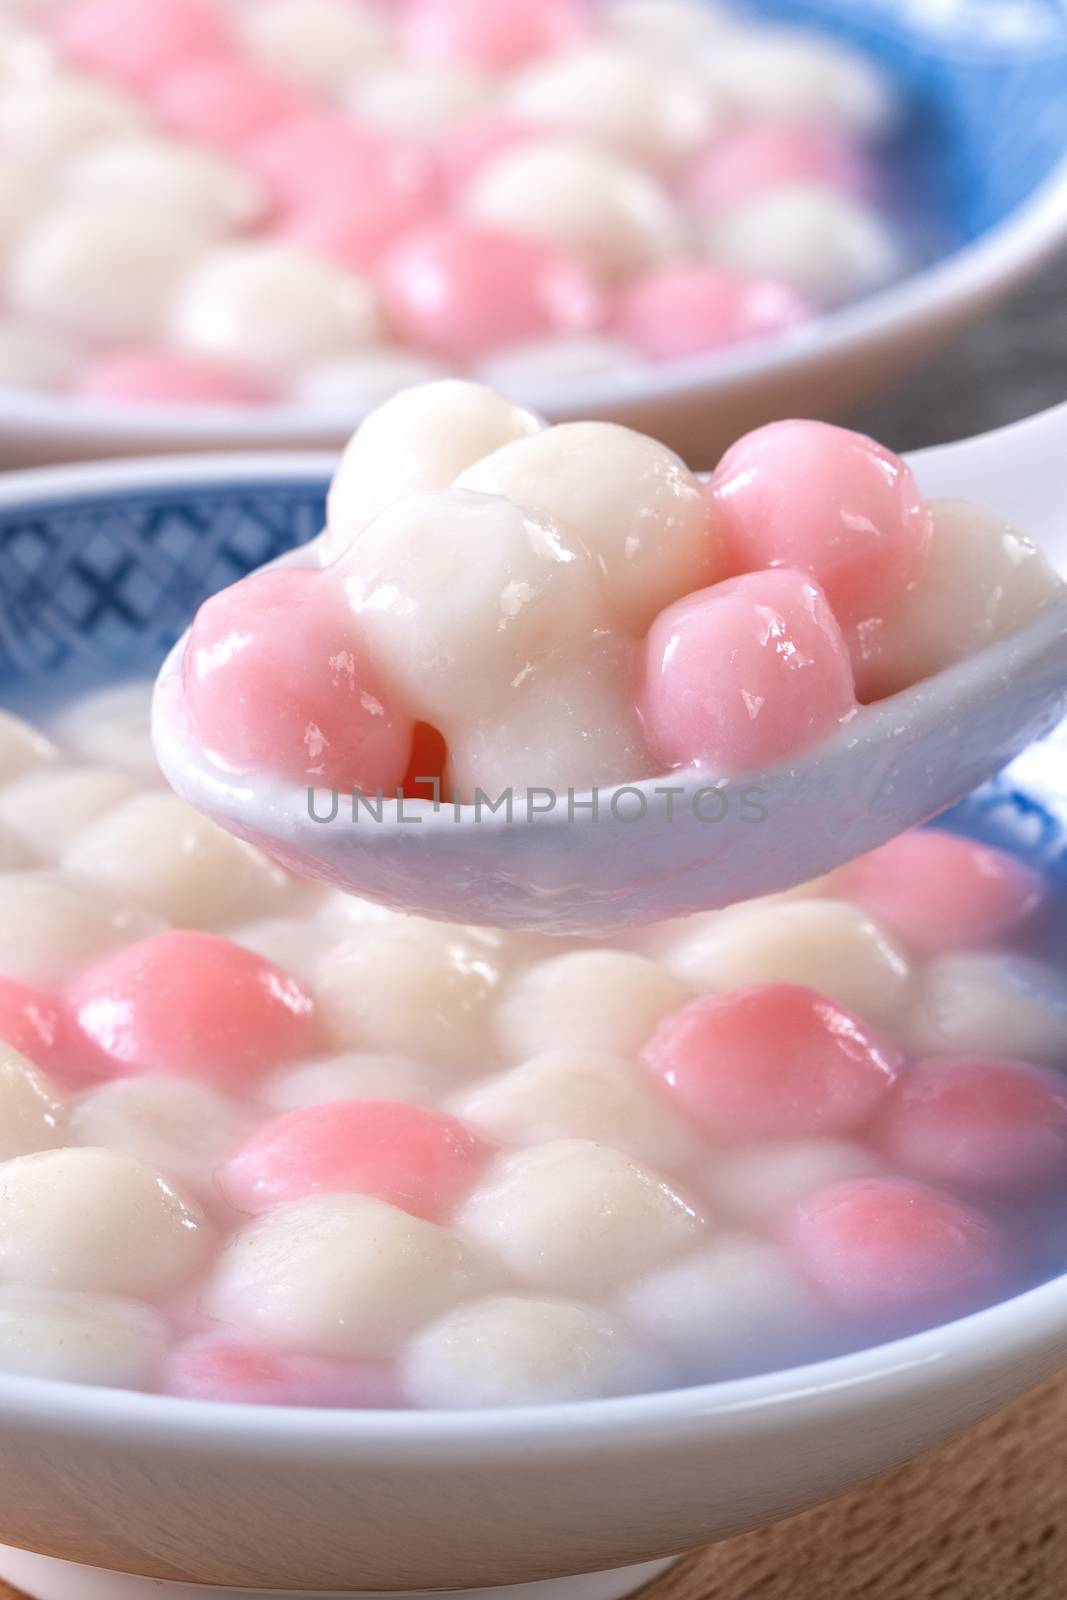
(220, 1366)
(688, 309)
(167, 377)
(829, 502)
(321, 158)
(895, 1253)
(463, 291)
(498, 35)
(419, 1159)
(744, 674)
(224, 102)
(136, 42)
(33, 1023)
(273, 681)
(358, 230)
(978, 1123)
(192, 1005)
(476, 143)
(768, 155)
(941, 892)
(773, 1060)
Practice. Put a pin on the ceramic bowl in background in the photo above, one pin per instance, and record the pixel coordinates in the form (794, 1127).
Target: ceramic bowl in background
(985, 145)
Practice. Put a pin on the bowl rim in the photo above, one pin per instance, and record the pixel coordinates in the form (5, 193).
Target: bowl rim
(944, 292)
(995, 1337)
(121, 477)
(990, 1337)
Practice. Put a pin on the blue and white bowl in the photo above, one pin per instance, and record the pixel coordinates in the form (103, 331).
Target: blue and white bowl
(985, 137)
(118, 1496)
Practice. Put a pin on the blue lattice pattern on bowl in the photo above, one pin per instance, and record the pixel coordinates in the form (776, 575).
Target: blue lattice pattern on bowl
(96, 587)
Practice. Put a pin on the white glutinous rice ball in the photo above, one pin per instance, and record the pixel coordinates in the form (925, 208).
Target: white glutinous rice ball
(671, 29)
(156, 851)
(661, 939)
(33, 357)
(322, 44)
(51, 927)
(607, 213)
(578, 1094)
(104, 270)
(421, 991)
(182, 1129)
(157, 174)
(513, 1350)
(984, 1003)
(25, 55)
(576, 1217)
(826, 245)
(22, 747)
(982, 580)
(795, 74)
(15, 854)
(343, 1275)
(48, 806)
(361, 382)
(274, 309)
(420, 102)
(357, 1075)
(32, 1116)
(348, 915)
(827, 945)
(46, 122)
(110, 727)
(586, 999)
(739, 1306)
(630, 500)
(456, 593)
(98, 1220)
(420, 440)
(622, 99)
(567, 723)
(80, 1338)
(297, 944)
(543, 362)
(755, 1185)
(20, 199)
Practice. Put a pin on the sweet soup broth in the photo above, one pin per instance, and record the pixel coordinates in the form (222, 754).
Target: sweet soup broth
(261, 1141)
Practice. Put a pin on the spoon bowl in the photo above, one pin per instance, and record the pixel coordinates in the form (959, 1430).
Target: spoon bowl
(579, 863)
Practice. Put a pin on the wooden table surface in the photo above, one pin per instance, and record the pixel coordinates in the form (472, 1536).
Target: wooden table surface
(983, 1518)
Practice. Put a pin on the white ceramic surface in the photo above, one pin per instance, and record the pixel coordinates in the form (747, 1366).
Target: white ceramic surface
(697, 406)
(667, 846)
(333, 1503)
(48, 1579)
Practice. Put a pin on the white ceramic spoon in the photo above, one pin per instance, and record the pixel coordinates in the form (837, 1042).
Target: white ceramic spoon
(663, 847)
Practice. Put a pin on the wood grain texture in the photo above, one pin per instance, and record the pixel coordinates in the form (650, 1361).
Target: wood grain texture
(981, 1519)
